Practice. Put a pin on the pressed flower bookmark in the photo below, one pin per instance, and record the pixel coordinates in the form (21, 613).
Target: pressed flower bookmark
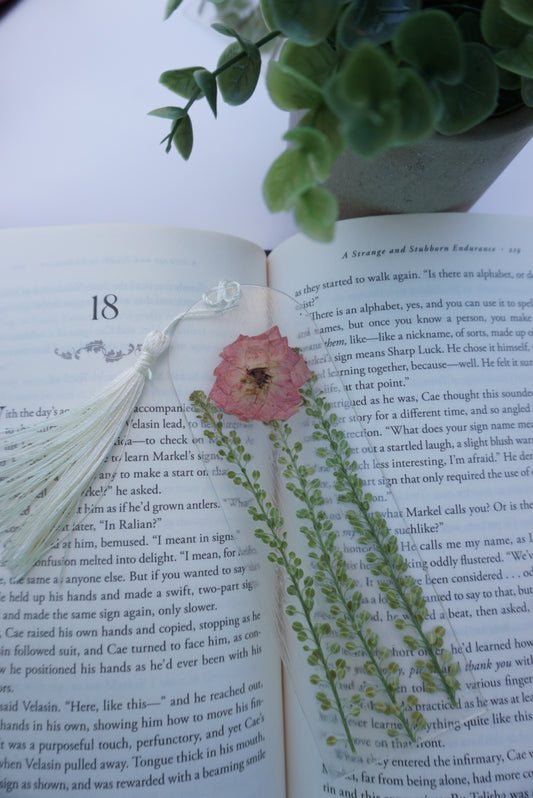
(61, 460)
(369, 656)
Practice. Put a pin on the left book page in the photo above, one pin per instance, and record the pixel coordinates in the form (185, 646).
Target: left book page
(132, 657)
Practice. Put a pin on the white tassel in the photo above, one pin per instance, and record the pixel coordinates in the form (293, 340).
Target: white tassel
(61, 460)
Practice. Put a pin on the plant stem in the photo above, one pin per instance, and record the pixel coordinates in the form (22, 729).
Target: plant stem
(197, 94)
(349, 482)
(333, 569)
(274, 523)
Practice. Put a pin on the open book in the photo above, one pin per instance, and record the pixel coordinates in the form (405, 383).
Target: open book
(134, 658)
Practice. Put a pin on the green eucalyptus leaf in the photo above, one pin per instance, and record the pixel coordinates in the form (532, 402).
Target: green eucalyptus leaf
(225, 30)
(431, 42)
(306, 22)
(290, 175)
(527, 91)
(369, 133)
(181, 81)
(498, 28)
(171, 6)
(417, 108)
(248, 46)
(168, 112)
(316, 146)
(290, 89)
(373, 20)
(364, 97)
(521, 10)
(322, 119)
(237, 82)
(183, 138)
(267, 14)
(207, 84)
(367, 79)
(475, 98)
(470, 27)
(509, 80)
(314, 63)
(518, 59)
(334, 97)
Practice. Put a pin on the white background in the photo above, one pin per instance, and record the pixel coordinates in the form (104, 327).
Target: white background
(77, 78)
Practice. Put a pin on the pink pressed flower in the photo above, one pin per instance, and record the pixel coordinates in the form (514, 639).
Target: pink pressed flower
(259, 377)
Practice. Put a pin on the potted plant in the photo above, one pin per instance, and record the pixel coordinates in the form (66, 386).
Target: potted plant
(371, 77)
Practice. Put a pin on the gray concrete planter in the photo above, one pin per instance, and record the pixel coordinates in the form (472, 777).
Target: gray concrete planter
(444, 173)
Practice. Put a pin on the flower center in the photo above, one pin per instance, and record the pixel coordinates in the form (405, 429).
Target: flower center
(259, 376)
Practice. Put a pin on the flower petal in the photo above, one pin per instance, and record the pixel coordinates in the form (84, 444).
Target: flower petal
(259, 377)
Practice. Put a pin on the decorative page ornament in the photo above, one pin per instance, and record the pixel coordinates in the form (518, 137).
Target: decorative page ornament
(47, 469)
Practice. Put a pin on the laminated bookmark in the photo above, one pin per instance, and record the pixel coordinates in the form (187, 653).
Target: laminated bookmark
(370, 656)
(372, 659)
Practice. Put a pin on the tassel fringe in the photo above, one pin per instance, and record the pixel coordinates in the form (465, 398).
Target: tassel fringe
(45, 471)
(61, 461)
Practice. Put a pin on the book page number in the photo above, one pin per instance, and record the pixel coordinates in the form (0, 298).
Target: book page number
(105, 308)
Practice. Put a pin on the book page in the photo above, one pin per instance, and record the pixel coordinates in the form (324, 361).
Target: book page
(429, 322)
(133, 657)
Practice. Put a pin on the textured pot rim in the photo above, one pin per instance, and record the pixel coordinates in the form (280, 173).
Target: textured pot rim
(515, 120)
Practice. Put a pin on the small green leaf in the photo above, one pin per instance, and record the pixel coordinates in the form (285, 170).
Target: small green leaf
(475, 98)
(314, 63)
(323, 120)
(367, 78)
(168, 112)
(207, 84)
(518, 59)
(316, 212)
(527, 91)
(373, 21)
(316, 146)
(521, 10)
(266, 12)
(304, 21)
(509, 80)
(498, 28)
(237, 82)
(289, 176)
(363, 96)
(183, 137)
(247, 46)
(289, 89)
(181, 81)
(431, 42)
(225, 30)
(171, 6)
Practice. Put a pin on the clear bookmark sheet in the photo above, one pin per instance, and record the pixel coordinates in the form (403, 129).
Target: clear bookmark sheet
(363, 637)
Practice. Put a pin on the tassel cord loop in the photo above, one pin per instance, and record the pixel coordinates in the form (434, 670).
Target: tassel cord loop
(224, 296)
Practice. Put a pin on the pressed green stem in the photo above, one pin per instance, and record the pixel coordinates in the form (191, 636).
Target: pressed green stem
(252, 487)
(347, 479)
(331, 570)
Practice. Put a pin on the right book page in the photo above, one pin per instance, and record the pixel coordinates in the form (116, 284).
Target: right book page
(428, 322)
